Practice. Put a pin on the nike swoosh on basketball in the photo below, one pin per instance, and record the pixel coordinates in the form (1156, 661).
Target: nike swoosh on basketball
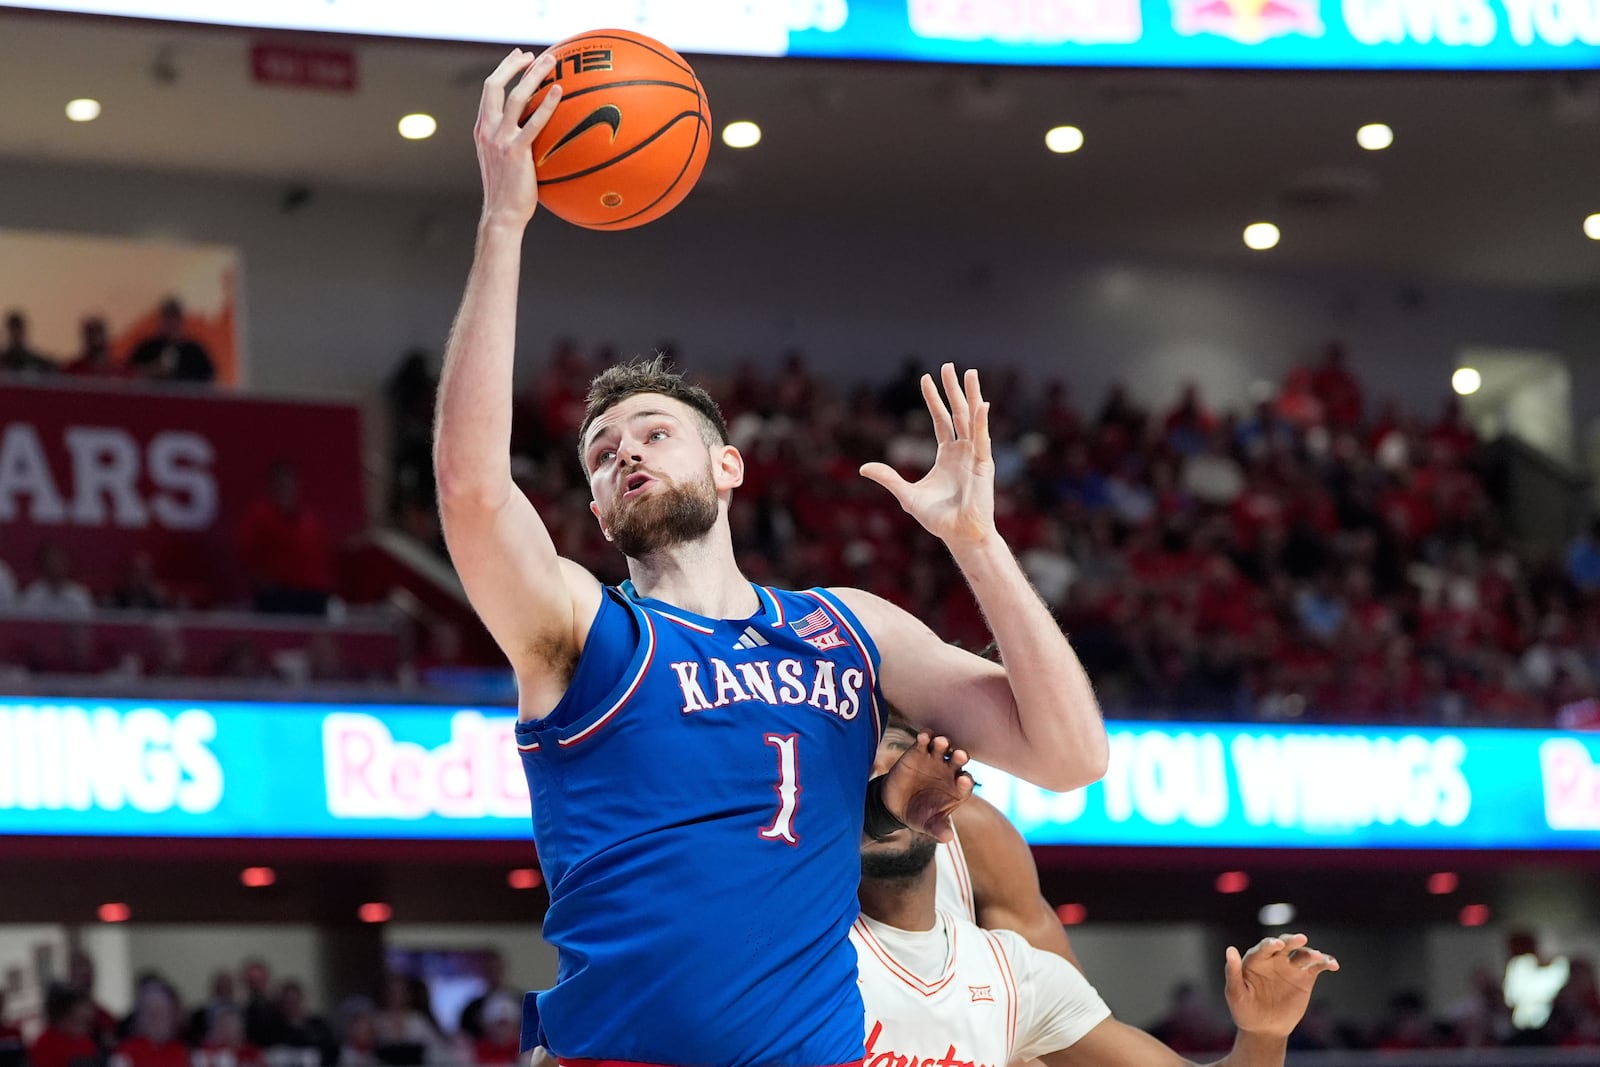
(604, 115)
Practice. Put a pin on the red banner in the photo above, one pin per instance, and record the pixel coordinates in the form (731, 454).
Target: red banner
(108, 471)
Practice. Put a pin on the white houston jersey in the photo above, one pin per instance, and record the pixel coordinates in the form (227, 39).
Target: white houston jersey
(954, 879)
(961, 995)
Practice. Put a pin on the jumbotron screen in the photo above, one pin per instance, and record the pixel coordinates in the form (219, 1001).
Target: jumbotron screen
(1311, 34)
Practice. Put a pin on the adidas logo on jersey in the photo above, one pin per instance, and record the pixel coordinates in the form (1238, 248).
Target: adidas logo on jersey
(750, 639)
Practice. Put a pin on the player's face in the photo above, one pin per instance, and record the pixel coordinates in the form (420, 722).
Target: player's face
(903, 854)
(652, 475)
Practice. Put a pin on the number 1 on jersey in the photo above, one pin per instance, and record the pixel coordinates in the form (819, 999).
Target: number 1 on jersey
(788, 788)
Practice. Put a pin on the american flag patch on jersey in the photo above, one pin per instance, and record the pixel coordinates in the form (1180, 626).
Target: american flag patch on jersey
(817, 620)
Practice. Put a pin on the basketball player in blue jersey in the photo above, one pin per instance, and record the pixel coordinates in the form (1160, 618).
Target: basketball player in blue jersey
(699, 748)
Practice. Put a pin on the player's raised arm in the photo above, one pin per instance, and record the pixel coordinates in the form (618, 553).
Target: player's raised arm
(532, 601)
(1268, 990)
(1037, 716)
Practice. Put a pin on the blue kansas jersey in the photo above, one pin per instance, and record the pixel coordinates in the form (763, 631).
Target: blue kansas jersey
(697, 803)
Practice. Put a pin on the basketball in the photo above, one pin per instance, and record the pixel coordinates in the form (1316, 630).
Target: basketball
(630, 136)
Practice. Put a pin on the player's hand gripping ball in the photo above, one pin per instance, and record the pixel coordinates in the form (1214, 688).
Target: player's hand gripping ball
(630, 135)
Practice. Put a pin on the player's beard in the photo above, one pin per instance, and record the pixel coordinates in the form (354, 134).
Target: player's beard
(895, 864)
(670, 515)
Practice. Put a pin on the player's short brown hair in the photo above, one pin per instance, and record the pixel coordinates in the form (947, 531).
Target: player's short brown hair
(654, 375)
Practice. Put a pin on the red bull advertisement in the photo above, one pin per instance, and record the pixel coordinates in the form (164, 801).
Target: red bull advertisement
(1288, 34)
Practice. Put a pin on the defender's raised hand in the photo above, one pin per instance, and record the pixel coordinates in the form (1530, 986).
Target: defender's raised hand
(1269, 987)
(954, 501)
(926, 784)
(505, 149)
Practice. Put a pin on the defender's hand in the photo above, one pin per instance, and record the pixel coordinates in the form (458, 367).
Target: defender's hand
(926, 784)
(1269, 987)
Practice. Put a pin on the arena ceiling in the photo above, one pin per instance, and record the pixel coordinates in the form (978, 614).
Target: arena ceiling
(1489, 179)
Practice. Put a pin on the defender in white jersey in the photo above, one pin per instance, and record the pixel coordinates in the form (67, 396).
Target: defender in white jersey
(941, 992)
(986, 872)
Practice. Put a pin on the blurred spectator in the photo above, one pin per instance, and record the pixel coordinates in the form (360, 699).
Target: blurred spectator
(324, 664)
(1190, 1024)
(494, 979)
(224, 1044)
(18, 356)
(8, 586)
(1531, 981)
(139, 588)
(1453, 435)
(81, 977)
(1212, 475)
(410, 392)
(1480, 1019)
(285, 549)
(406, 1034)
(358, 1034)
(1575, 1014)
(1336, 389)
(224, 996)
(66, 1040)
(263, 1025)
(502, 1022)
(54, 591)
(302, 1029)
(1406, 1025)
(1583, 559)
(170, 354)
(94, 357)
(153, 1038)
(1188, 425)
(242, 660)
(11, 1044)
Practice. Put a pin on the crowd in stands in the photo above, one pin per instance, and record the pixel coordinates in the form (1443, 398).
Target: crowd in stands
(1303, 554)
(250, 1020)
(170, 354)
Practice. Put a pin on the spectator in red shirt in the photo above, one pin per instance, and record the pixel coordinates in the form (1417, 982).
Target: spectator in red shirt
(502, 1022)
(1336, 389)
(66, 1040)
(285, 549)
(80, 976)
(153, 1039)
(94, 358)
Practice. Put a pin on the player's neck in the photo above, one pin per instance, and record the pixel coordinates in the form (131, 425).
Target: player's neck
(699, 576)
(903, 903)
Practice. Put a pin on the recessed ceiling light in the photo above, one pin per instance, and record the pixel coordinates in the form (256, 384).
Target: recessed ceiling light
(1375, 137)
(418, 127)
(741, 134)
(1261, 236)
(1276, 914)
(83, 109)
(1466, 381)
(1591, 227)
(1064, 139)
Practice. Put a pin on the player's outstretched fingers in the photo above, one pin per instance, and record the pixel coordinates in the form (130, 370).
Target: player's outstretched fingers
(943, 430)
(960, 413)
(517, 99)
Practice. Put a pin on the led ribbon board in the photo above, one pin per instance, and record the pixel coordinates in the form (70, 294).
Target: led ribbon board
(1313, 34)
(135, 769)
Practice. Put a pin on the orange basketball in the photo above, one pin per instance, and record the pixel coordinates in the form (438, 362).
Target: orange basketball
(630, 136)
